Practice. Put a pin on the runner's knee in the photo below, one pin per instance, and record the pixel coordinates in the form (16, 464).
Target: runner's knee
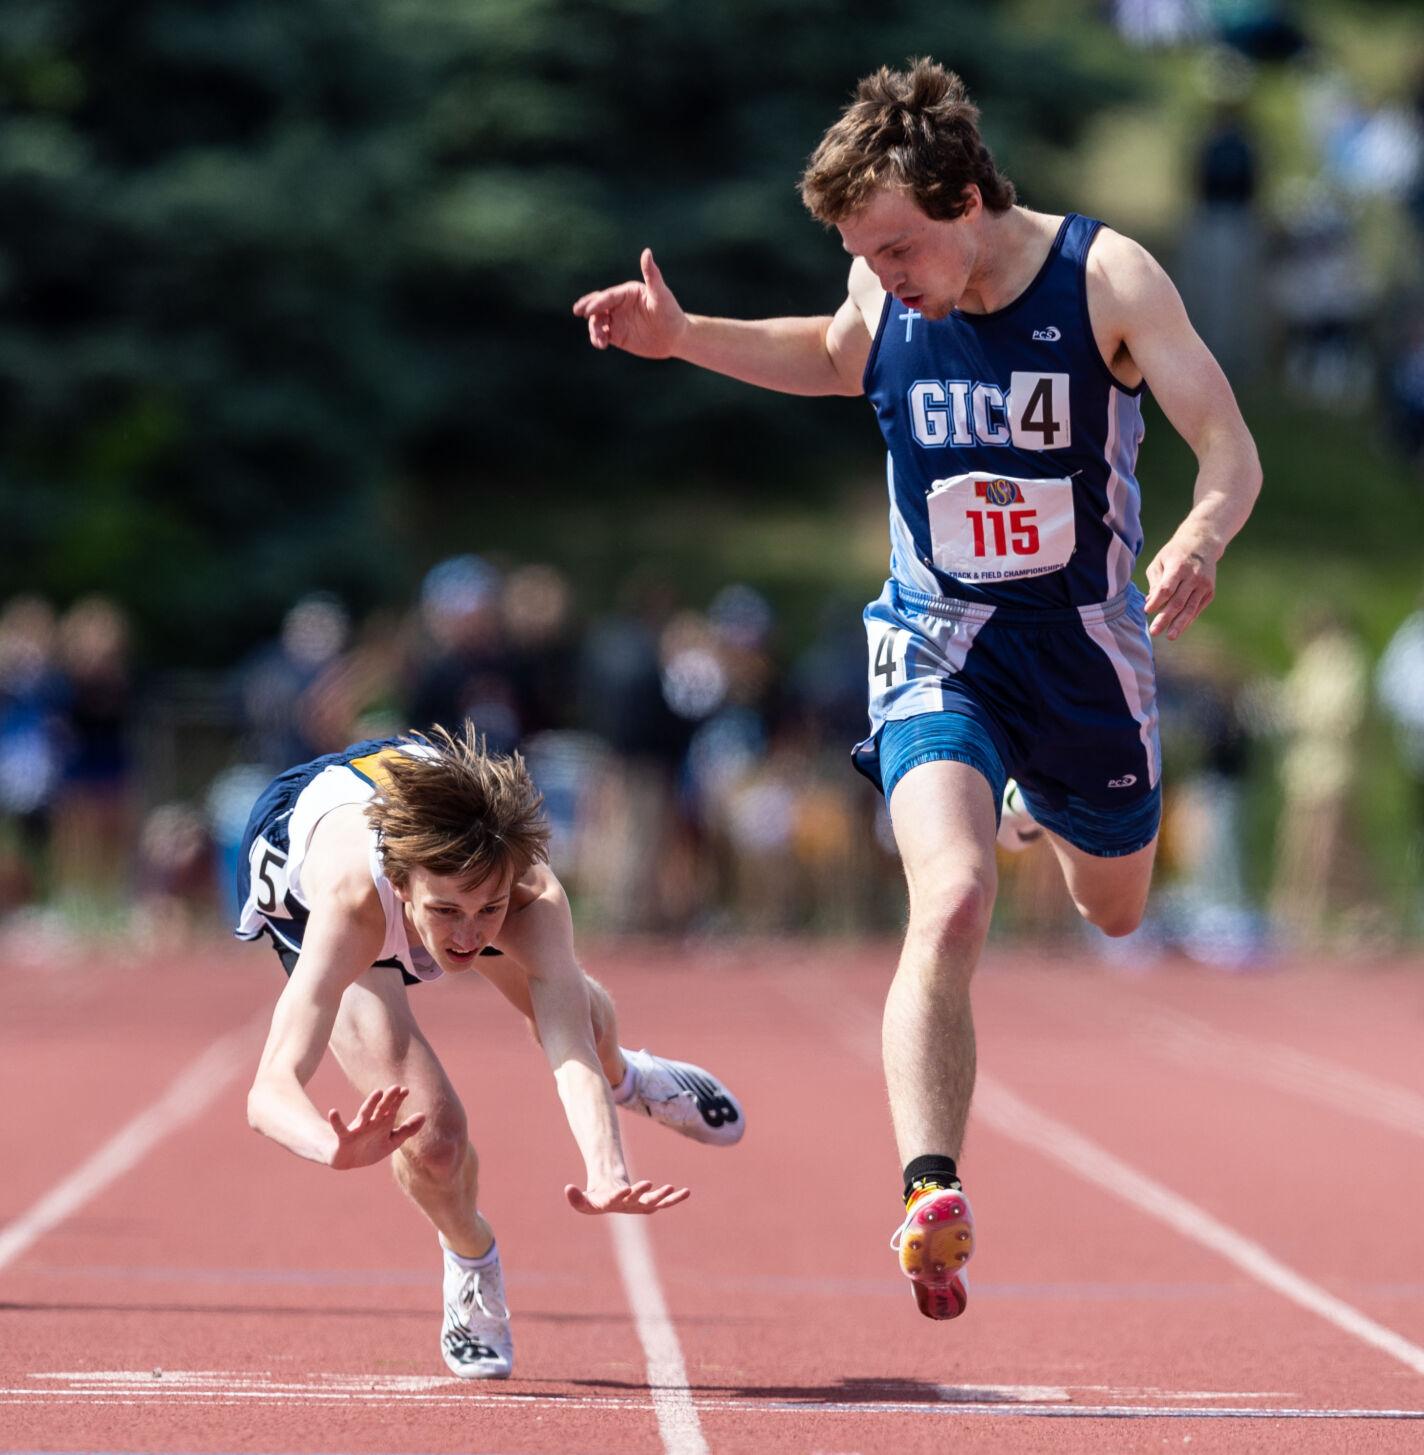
(953, 913)
(438, 1150)
(1114, 920)
(1117, 924)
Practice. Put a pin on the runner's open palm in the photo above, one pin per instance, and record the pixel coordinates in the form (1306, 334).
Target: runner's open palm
(641, 1197)
(375, 1133)
(641, 318)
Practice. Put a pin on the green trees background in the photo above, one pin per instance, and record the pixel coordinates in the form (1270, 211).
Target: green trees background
(284, 288)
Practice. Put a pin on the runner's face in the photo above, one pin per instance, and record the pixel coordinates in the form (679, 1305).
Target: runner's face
(923, 263)
(455, 923)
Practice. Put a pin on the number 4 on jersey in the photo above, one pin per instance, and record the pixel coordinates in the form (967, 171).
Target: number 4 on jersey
(886, 663)
(1039, 411)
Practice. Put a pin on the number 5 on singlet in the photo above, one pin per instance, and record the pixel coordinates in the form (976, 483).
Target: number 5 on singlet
(268, 867)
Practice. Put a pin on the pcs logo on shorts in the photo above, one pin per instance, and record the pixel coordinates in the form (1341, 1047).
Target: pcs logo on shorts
(998, 492)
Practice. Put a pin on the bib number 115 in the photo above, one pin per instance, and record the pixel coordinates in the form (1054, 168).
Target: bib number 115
(1016, 535)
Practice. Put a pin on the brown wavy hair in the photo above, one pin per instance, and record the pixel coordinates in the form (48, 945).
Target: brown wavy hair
(457, 810)
(915, 130)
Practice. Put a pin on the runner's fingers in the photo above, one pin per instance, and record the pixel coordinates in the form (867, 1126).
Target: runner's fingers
(1168, 582)
(1194, 607)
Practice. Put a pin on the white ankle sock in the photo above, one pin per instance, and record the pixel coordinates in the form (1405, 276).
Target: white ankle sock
(469, 1265)
(626, 1089)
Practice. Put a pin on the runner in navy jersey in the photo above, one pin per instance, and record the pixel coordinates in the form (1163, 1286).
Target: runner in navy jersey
(1012, 691)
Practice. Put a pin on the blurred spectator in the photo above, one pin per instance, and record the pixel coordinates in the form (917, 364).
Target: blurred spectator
(1399, 684)
(1161, 22)
(358, 693)
(1405, 394)
(275, 681)
(175, 899)
(1222, 249)
(543, 652)
(94, 808)
(1261, 30)
(33, 698)
(1319, 709)
(1204, 907)
(644, 716)
(463, 667)
(1323, 296)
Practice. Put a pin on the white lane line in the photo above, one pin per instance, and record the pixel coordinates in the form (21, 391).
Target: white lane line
(1191, 1041)
(189, 1095)
(1008, 1114)
(1012, 1117)
(1194, 1042)
(800, 1408)
(667, 1374)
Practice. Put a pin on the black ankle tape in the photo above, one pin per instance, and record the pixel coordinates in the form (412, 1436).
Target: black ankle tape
(931, 1171)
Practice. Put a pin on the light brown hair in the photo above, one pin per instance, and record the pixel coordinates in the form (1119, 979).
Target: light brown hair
(454, 809)
(914, 130)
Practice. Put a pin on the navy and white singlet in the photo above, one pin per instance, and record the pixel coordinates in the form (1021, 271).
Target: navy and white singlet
(274, 850)
(1014, 530)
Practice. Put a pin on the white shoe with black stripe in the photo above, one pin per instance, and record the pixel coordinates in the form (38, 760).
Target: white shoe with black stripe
(684, 1097)
(475, 1338)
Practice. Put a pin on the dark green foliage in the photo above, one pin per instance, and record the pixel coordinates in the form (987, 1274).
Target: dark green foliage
(278, 278)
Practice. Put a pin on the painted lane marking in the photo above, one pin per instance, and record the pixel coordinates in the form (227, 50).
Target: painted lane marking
(1012, 1117)
(1184, 1038)
(189, 1095)
(1008, 1114)
(721, 1405)
(1187, 1039)
(1003, 1394)
(667, 1373)
(138, 1388)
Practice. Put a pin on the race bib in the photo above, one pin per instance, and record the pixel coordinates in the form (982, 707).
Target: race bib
(995, 528)
(268, 867)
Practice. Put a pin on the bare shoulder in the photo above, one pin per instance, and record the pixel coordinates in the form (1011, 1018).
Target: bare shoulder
(1122, 273)
(537, 882)
(867, 294)
(337, 869)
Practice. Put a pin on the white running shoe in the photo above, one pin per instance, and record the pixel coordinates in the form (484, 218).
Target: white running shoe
(475, 1338)
(684, 1097)
(1017, 826)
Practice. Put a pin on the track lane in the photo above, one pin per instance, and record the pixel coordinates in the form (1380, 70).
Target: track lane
(796, 1332)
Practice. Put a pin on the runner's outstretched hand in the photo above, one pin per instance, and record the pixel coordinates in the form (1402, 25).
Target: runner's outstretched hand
(641, 318)
(641, 1197)
(375, 1133)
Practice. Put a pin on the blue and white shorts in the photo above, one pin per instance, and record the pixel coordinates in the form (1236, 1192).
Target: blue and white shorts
(1062, 700)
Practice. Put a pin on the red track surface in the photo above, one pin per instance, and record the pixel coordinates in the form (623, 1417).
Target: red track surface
(291, 1309)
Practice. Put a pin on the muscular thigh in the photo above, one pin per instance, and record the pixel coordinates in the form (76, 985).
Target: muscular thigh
(943, 813)
(377, 1043)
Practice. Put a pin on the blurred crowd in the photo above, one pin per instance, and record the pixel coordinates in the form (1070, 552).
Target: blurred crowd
(694, 769)
(1318, 275)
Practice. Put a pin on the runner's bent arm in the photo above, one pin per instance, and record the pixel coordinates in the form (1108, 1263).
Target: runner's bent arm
(1144, 310)
(343, 936)
(823, 355)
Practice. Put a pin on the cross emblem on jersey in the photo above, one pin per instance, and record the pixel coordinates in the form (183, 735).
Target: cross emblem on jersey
(909, 321)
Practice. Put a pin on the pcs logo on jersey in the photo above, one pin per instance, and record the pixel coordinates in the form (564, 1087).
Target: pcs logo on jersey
(998, 492)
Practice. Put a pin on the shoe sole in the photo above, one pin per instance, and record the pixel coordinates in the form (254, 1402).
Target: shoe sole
(935, 1246)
